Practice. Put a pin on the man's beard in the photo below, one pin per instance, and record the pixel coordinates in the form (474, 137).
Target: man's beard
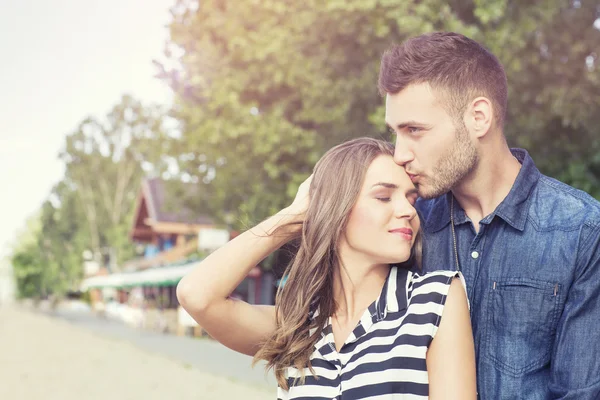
(458, 162)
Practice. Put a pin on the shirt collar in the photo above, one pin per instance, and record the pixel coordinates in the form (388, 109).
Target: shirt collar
(513, 209)
(393, 297)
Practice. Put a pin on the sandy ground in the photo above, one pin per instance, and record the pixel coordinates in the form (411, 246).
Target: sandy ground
(47, 359)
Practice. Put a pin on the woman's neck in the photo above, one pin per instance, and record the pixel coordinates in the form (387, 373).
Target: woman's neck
(356, 285)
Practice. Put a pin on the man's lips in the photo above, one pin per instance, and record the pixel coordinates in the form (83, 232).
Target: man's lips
(413, 177)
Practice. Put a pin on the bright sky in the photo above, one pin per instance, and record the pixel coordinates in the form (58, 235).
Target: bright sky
(63, 60)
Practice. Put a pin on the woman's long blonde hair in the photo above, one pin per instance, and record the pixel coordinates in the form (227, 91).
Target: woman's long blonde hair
(336, 184)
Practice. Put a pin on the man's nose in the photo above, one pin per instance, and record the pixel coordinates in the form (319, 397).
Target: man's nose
(402, 153)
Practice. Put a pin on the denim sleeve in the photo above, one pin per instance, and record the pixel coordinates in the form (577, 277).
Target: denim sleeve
(576, 353)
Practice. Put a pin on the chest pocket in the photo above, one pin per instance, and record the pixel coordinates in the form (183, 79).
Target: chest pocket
(522, 320)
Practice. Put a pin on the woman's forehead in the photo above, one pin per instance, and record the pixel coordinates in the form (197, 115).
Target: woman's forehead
(383, 169)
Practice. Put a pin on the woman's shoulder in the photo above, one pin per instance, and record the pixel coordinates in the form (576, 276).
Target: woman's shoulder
(433, 285)
(439, 277)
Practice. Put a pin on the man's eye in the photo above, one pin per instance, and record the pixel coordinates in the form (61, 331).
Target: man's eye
(413, 129)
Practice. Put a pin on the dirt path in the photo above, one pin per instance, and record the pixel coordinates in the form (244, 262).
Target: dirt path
(47, 359)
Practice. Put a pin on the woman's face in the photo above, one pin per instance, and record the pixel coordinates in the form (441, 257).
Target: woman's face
(383, 223)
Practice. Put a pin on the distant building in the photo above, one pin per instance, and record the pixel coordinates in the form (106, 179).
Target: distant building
(163, 224)
(174, 239)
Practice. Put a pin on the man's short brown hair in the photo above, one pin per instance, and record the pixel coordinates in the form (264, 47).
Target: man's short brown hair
(459, 68)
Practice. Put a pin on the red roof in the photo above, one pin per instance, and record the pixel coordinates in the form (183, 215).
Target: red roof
(166, 202)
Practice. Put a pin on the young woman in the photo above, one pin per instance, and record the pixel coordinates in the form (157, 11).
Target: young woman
(352, 321)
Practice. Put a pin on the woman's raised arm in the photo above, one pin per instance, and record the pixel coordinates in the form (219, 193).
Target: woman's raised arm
(204, 292)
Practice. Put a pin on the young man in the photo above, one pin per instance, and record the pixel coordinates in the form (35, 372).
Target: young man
(528, 245)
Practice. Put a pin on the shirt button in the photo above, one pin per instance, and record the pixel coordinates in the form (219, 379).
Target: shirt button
(475, 254)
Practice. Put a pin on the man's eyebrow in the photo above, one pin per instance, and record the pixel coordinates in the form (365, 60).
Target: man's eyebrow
(405, 124)
(409, 123)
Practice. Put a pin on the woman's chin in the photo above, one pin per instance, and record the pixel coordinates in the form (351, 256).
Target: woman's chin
(399, 259)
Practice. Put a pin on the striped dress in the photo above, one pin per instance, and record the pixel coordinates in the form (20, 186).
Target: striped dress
(385, 356)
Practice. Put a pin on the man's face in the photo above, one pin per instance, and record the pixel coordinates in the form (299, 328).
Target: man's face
(436, 151)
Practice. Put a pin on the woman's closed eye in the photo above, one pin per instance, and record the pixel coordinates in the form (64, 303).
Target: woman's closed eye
(383, 199)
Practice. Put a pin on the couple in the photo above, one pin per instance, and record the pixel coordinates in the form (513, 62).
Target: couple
(365, 313)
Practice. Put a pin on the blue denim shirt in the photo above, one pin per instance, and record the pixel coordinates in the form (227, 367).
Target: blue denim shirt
(533, 280)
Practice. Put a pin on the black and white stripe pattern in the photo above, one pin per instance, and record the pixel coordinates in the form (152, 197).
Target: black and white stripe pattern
(385, 356)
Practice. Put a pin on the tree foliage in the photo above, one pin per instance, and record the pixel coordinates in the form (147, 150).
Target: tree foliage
(105, 162)
(265, 87)
(91, 208)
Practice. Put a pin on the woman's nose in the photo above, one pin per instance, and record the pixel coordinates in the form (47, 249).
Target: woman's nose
(405, 210)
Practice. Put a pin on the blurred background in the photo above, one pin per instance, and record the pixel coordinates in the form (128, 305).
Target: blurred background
(141, 135)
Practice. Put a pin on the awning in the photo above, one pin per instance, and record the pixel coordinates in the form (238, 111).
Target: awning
(160, 276)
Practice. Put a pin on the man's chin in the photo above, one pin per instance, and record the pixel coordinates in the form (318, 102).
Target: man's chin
(428, 193)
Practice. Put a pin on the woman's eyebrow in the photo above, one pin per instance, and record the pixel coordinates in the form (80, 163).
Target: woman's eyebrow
(386, 185)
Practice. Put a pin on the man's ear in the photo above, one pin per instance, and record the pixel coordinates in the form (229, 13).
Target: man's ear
(479, 116)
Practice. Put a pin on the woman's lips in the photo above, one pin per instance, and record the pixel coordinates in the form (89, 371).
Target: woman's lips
(405, 233)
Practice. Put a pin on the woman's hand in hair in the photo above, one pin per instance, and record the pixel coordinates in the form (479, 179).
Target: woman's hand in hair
(299, 206)
(204, 292)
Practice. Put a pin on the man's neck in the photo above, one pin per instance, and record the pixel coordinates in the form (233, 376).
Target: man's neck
(481, 192)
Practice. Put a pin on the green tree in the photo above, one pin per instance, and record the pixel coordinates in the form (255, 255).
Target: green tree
(92, 207)
(105, 162)
(28, 272)
(263, 88)
(48, 256)
(26, 260)
(62, 240)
